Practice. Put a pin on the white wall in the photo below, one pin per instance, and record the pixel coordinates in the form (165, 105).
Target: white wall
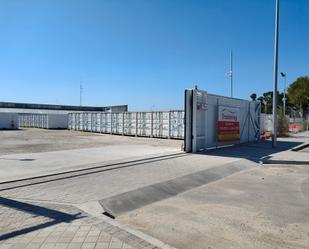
(8, 120)
(203, 131)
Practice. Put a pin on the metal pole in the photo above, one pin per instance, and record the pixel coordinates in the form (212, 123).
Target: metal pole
(231, 71)
(274, 133)
(80, 94)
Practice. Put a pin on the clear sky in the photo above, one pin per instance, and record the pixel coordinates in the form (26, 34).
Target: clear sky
(145, 53)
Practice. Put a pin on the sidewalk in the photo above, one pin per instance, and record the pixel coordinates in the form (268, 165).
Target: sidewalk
(292, 156)
(47, 226)
(262, 152)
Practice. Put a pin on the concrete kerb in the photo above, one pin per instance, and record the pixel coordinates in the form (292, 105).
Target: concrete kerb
(289, 162)
(122, 231)
(126, 228)
(300, 147)
(134, 199)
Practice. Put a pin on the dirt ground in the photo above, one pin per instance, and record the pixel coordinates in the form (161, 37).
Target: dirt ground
(266, 207)
(40, 140)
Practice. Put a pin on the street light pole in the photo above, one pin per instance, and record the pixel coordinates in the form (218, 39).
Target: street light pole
(231, 72)
(274, 133)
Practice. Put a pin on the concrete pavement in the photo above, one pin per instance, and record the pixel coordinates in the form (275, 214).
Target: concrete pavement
(18, 166)
(257, 206)
(261, 207)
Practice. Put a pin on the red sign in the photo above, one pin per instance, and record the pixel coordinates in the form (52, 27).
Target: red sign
(228, 131)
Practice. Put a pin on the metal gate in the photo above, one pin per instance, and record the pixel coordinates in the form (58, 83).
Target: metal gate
(212, 121)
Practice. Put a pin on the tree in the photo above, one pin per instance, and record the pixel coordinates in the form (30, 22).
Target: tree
(267, 101)
(298, 93)
(253, 96)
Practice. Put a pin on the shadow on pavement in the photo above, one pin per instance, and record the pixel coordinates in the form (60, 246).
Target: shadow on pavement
(253, 151)
(55, 216)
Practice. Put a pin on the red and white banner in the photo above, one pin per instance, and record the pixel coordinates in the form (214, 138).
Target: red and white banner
(228, 124)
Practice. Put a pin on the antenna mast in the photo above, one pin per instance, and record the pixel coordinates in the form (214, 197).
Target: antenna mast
(80, 94)
(231, 72)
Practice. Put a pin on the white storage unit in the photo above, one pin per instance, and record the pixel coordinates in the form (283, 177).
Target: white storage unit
(117, 123)
(8, 120)
(168, 124)
(144, 124)
(57, 121)
(130, 123)
(177, 127)
(81, 121)
(161, 124)
(46, 121)
(97, 122)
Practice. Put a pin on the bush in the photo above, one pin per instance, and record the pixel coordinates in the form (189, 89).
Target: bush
(283, 124)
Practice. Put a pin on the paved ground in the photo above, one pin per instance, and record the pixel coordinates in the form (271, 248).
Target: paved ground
(262, 207)
(265, 207)
(253, 207)
(305, 150)
(37, 225)
(41, 140)
(55, 151)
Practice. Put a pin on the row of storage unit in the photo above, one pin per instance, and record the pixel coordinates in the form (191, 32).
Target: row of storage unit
(169, 124)
(45, 121)
(8, 121)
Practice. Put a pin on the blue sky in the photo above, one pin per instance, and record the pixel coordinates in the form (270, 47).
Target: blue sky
(144, 53)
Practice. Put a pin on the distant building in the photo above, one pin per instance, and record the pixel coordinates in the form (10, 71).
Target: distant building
(56, 109)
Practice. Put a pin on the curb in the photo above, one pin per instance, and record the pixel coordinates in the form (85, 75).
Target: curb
(300, 147)
(288, 162)
(151, 240)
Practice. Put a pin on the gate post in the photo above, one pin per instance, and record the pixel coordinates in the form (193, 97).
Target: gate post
(188, 120)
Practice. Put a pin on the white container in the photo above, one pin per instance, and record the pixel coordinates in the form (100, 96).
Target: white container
(8, 120)
(57, 121)
(46, 121)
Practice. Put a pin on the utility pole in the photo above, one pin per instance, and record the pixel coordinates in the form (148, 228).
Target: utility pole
(80, 94)
(230, 73)
(274, 133)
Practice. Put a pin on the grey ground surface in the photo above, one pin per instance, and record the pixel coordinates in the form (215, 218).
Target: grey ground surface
(305, 150)
(34, 225)
(264, 207)
(256, 206)
(35, 152)
(42, 140)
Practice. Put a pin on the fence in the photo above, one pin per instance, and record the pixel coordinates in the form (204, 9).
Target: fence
(213, 121)
(293, 124)
(169, 124)
(45, 121)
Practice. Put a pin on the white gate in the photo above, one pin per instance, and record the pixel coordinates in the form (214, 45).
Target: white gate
(212, 121)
